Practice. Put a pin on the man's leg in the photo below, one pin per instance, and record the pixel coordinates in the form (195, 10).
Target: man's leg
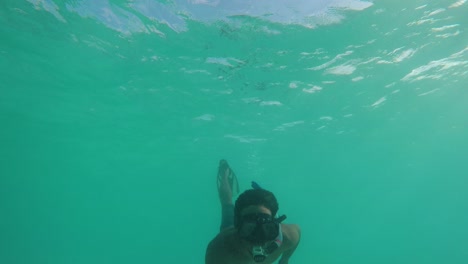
(225, 195)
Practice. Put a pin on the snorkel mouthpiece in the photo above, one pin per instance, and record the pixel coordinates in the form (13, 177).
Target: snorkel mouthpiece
(258, 254)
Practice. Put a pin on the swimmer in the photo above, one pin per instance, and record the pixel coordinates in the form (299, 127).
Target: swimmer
(250, 230)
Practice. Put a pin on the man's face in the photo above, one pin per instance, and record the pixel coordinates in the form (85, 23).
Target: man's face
(257, 226)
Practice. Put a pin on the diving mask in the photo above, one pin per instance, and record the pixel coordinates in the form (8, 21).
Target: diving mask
(259, 228)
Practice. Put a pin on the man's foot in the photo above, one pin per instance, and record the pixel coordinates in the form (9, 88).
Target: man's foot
(227, 183)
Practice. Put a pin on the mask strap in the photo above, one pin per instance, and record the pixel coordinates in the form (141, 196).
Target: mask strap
(279, 238)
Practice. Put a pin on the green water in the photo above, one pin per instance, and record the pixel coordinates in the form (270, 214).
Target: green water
(110, 135)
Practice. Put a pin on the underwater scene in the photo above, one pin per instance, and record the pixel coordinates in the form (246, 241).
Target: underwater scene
(115, 114)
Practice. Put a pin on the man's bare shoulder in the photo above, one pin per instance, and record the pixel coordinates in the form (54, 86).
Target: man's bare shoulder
(291, 234)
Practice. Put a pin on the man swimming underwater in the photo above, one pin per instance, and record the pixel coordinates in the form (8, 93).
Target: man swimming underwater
(250, 231)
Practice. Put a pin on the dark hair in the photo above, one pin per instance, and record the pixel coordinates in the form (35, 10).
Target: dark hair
(255, 197)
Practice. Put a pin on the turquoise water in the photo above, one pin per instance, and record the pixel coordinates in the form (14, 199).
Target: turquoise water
(115, 114)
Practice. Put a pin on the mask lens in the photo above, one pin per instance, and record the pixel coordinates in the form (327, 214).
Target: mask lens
(270, 229)
(247, 229)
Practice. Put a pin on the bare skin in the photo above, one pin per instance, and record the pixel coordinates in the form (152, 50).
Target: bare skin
(228, 248)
